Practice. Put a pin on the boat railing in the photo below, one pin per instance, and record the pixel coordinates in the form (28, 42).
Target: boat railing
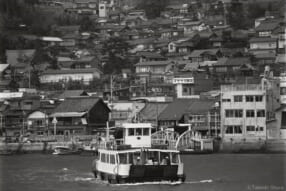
(165, 137)
(110, 145)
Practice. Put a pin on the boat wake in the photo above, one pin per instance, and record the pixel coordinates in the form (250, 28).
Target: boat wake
(164, 183)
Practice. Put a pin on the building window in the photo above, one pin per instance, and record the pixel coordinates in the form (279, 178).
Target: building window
(258, 98)
(229, 130)
(238, 113)
(237, 98)
(226, 100)
(229, 113)
(235, 129)
(250, 128)
(283, 91)
(185, 90)
(249, 98)
(259, 129)
(260, 113)
(250, 113)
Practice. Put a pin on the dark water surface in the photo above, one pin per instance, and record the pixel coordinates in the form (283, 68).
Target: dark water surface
(43, 172)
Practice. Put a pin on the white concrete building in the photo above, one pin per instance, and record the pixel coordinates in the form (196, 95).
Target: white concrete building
(185, 87)
(247, 111)
(84, 75)
(103, 9)
(283, 88)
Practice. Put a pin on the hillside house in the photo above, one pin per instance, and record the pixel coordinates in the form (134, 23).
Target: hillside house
(78, 116)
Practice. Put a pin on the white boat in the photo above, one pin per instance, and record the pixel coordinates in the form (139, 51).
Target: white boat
(62, 150)
(135, 160)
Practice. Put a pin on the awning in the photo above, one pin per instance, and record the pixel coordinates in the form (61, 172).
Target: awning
(68, 114)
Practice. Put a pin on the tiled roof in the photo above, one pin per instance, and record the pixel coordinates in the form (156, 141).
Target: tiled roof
(72, 93)
(198, 53)
(76, 104)
(262, 39)
(3, 67)
(152, 110)
(176, 109)
(14, 56)
(72, 71)
(150, 55)
(232, 61)
(267, 26)
(142, 41)
(154, 63)
(281, 58)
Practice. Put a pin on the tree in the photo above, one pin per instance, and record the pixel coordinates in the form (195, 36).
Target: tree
(153, 8)
(86, 24)
(236, 16)
(116, 50)
(255, 11)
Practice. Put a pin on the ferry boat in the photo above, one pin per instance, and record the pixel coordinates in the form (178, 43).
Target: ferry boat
(134, 159)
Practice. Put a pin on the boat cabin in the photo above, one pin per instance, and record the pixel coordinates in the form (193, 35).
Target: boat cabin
(137, 164)
(137, 135)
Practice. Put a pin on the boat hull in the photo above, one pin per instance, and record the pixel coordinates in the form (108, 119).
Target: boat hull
(143, 173)
(67, 152)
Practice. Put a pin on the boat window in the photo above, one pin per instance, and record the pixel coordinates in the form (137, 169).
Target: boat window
(138, 132)
(153, 156)
(145, 132)
(112, 159)
(137, 158)
(103, 157)
(131, 132)
(165, 158)
(107, 158)
(174, 157)
(123, 158)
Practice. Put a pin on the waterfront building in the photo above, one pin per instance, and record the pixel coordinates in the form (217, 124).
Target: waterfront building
(125, 112)
(37, 123)
(14, 113)
(248, 111)
(151, 111)
(79, 116)
(201, 114)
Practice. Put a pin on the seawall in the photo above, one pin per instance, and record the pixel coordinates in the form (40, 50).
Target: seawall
(31, 147)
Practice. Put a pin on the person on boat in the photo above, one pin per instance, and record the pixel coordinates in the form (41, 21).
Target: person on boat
(138, 162)
(165, 161)
(149, 161)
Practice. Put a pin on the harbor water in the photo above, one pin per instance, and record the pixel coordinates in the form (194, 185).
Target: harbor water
(45, 172)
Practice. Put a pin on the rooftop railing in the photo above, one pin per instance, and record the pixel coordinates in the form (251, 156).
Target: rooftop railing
(241, 87)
